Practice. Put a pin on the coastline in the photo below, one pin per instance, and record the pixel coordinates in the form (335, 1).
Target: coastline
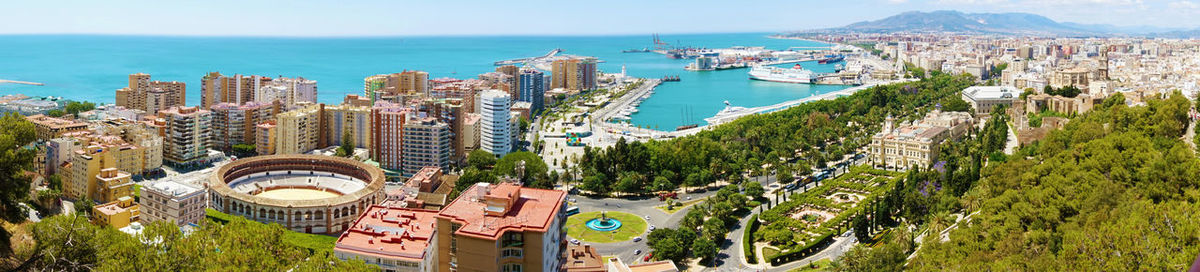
(781, 37)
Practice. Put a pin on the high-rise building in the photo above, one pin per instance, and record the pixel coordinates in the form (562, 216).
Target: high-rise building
(509, 80)
(502, 227)
(237, 89)
(187, 135)
(495, 131)
(469, 137)
(426, 142)
(289, 92)
(346, 119)
(265, 135)
(234, 124)
(298, 131)
(396, 84)
(177, 202)
(532, 89)
(573, 74)
(151, 96)
(387, 132)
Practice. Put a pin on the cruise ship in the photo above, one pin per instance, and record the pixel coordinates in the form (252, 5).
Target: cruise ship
(796, 74)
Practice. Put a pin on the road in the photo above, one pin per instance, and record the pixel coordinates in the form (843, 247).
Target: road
(642, 207)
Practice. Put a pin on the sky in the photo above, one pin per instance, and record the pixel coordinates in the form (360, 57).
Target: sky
(532, 17)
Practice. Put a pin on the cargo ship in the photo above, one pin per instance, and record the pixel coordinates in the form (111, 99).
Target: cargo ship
(796, 74)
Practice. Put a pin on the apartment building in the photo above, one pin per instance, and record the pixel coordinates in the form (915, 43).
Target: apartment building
(151, 96)
(396, 84)
(180, 203)
(187, 135)
(387, 132)
(298, 131)
(426, 142)
(46, 127)
(343, 120)
(502, 227)
(289, 92)
(265, 134)
(395, 239)
(216, 88)
(495, 117)
(235, 124)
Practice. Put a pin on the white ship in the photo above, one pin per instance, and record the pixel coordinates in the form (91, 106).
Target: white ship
(796, 74)
(728, 113)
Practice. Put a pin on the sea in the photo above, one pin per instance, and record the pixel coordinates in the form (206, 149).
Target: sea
(93, 67)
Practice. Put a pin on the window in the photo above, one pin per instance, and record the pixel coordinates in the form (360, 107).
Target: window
(512, 252)
(511, 268)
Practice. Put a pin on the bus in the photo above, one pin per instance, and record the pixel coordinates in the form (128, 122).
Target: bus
(572, 210)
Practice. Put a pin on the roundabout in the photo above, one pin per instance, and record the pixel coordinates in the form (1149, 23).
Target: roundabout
(605, 226)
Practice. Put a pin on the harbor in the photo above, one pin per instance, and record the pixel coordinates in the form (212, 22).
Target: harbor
(21, 82)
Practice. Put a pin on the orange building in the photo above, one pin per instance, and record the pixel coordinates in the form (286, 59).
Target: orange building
(395, 239)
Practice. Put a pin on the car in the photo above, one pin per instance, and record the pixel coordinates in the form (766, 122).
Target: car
(688, 198)
(647, 217)
(637, 251)
(575, 241)
(637, 239)
(647, 258)
(651, 227)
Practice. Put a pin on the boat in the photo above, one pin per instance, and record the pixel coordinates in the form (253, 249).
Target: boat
(643, 50)
(670, 78)
(729, 111)
(796, 74)
(683, 127)
(831, 59)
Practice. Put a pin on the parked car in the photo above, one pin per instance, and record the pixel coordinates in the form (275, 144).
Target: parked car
(637, 239)
(637, 251)
(651, 227)
(574, 241)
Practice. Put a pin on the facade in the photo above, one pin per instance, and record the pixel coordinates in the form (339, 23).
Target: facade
(983, 98)
(237, 89)
(151, 96)
(495, 128)
(395, 239)
(573, 74)
(426, 142)
(177, 202)
(265, 134)
(396, 84)
(304, 193)
(1077, 77)
(289, 92)
(486, 230)
(298, 131)
(91, 154)
(347, 119)
(915, 145)
(468, 138)
(532, 89)
(187, 135)
(387, 132)
(1067, 105)
(234, 124)
(47, 127)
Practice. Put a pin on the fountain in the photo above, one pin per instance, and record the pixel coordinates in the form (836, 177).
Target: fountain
(604, 223)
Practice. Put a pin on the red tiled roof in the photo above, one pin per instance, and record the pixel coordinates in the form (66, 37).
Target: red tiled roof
(387, 232)
(532, 210)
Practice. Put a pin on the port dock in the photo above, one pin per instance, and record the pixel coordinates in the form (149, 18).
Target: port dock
(529, 59)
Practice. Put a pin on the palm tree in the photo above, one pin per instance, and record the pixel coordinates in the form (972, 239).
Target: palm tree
(938, 222)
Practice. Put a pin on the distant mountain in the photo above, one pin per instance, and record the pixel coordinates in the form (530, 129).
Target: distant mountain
(983, 23)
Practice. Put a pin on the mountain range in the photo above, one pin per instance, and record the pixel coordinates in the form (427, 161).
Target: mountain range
(1021, 24)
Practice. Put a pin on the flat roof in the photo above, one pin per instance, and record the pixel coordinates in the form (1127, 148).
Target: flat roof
(532, 210)
(991, 92)
(174, 188)
(388, 232)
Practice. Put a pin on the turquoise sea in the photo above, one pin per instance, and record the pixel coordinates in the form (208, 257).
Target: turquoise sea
(92, 67)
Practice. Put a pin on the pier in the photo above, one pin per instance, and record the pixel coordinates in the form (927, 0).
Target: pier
(529, 59)
(21, 82)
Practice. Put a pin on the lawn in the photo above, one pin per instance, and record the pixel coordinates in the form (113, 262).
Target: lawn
(819, 265)
(631, 226)
(312, 242)
(769, 252)
(678, 206)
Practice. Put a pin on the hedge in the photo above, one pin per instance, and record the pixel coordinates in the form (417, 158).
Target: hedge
(805, 251)
(748, 240)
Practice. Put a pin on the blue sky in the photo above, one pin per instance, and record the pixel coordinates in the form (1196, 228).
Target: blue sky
(531, 17)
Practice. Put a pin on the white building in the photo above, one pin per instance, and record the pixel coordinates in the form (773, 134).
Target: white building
(983, 98)
(495, 131)
(173, 201)
(290, 92)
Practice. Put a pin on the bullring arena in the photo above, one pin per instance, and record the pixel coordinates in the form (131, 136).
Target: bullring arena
(305, 193)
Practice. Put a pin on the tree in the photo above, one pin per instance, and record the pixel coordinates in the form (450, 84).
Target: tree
(862, 228)
(714, 229)
(15, 134)
(481, 159)
(669, 249)
(784, 175)
(74, 108)
(754, 190)
(245, 150)
(692, 220)
(705, 249)
(347, 147)
(534, 173)
(472, 176)
(55, 113)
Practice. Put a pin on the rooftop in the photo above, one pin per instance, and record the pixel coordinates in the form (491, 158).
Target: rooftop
(991, 92)
(478, 209)
(390, 233)
(173, 188)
